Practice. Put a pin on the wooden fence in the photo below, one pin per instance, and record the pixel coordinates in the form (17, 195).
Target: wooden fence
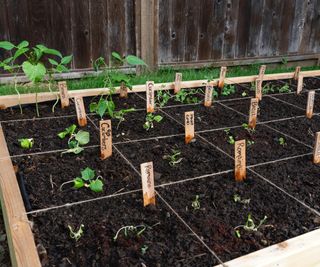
(167, 32)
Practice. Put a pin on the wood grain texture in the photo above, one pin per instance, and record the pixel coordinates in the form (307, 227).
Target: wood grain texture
(22, 247)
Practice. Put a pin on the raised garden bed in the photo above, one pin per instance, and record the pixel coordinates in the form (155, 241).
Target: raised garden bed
(202, 216)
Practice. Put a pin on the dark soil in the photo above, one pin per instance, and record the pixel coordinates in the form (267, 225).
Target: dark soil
(303, 129)
(303, 184)
(311, 83)
(269, 109)
(44, 174)
(168, 243)
(219, 214)
(197, 158)
(4, 249)
(207, 118)
(262, 145)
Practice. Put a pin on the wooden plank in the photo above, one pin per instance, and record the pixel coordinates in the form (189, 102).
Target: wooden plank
(12, 100)
(302, 250)
(129, 35)
(165, 21)
(243, 28)
(286, 24)
(22, 247)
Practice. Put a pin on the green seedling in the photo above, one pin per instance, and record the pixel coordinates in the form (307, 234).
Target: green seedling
(282, 141)
(150, 119)
(88, 180)
(228, 89)
(174, 157)
(237, 199)
(76, 235)
(76, 140)
(268, 88)
(162, 98)
(250, 224)
(284, 89)
(189, 96)
(247, 128)
(250, 142)
(244, 93)
(237, 233)
(196, 203)
(144, 249)
(26, 143)
(131, 230)
(230, 138)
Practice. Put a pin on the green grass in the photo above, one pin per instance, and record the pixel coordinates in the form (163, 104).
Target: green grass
(160, 76)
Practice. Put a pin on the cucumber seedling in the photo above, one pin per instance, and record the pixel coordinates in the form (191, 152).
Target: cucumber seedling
(26, 142)
(76, 140)
(88, 179)
(76, 235)
(174, 157)
(150, 120)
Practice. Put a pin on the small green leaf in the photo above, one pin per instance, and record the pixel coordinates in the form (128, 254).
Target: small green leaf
(133, 60)
(20, 52)
(26, 142)
(61, 68)
(158, 118)
(87, 174)
(66, 60)
(96, 185)
(23, 44)
(73, 144)
(102, 107)
(76, 150)
(70, 130)
(49, 51)
(53, 62)
(34, 72)
(78, 183)
(83, 137)
(7, 45)
(111, 107)
(62, 135)
(93, 107)
(117, 56)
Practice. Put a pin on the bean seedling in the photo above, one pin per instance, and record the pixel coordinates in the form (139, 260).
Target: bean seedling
(282, 141)
(26, 143)
(162, 98)
(196, 203)
(76, 140)
(187, 96)
(76, 234)
(88, 179)
(174, 157)
(150, 119)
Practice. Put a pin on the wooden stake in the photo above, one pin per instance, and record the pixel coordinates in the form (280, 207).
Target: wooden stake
(64, 95)
(296, 73)
(189, 126)
(177, 83)
(123, 91)
(262, 71)
(147, 176)
(259, 89)
(208, 96)
(254, 103)
(316, 150)
(310, 104)
(105, 139)
(81, 112)
(240, 160)
(300, 83)
(150, 96)
(223, 72)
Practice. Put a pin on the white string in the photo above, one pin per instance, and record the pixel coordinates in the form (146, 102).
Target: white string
(285, 102)
(190, 229)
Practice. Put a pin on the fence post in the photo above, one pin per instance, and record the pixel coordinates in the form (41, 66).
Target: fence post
(147, 32)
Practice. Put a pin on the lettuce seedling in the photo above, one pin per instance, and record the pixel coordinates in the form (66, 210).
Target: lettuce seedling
(26, 142)
(150, 119)
(88, 179)
(76, 140)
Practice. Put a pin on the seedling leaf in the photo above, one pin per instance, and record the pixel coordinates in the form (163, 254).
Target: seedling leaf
(26, 142)
(78, 183)
(87, 174)
(133, 60)
(96, 185)
(82, 137)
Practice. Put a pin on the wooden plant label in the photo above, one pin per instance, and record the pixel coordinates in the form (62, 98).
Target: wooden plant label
(177, 83)
(316, 150)
(147, 177)
(64, 95)
(262, 71)
(259, 89)
(310, 104)
(81, 112)
(300, 83)
(240, 160)
(123, 91)
(189, 126)
(105, 139)
(150, 96)
(296, 73)
(253, 112)
(223, 72)
(208, 96)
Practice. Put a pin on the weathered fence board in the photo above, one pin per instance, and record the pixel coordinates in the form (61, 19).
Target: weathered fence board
(184, 32)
